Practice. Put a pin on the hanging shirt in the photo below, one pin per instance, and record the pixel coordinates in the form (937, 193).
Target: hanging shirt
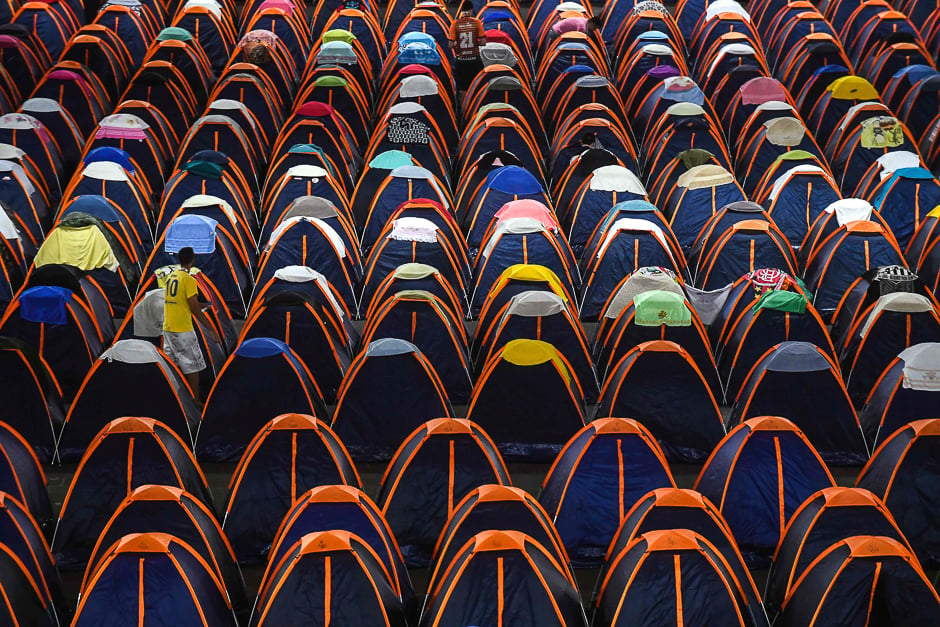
(177, 317)
(467, 33)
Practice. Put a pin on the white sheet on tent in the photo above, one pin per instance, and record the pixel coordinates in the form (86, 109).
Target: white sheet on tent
(849, 116)
(616, 178)
(921, 367)
(105, 171)
(148, 314)
(328, 230)
(304, 274)
(511, 226)
(725, 6)
(775, 105)
(703, 176)
(658, 50)
(786, 131)
(496, 53)
(7, 228)
(305, 170)
(534, 304)
(211, 5)
(896, 160)
(738, 49)
(40, 105)
(417, 86)
(570, 6)
(11, 168)
(850, 210)
(904, 302)
(632, 224)
(781, 181)
(414, 229)
(685, 109)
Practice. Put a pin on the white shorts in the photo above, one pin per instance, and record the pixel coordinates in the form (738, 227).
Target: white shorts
(183, 350)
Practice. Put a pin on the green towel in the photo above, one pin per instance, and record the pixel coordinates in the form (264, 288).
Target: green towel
(781, 300)
(695, 156)
(657, 307)
(174, 32)
(205, 169)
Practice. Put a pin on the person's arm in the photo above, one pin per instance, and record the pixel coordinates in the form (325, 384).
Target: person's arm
(196, 308)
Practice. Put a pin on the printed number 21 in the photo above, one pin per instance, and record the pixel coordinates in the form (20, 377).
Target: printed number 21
(466, 40)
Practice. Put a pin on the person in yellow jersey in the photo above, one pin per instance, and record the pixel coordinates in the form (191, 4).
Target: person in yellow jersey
(179, 336)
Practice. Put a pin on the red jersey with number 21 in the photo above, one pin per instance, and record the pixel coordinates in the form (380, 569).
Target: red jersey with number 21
(467, 33)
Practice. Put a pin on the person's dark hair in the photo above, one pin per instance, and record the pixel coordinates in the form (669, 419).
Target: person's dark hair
(257, 52)
(186, 256)
(588, 139)
(593, 23)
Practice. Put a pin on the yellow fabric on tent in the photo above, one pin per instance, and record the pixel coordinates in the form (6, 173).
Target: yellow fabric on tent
(491, 107)
(414, 271)
(523, 352)
(531, 272)
(934, 213)
(338, 34)
(707, 175)
(415, 295)
(882, 132)
(852, 88)
(85, 248)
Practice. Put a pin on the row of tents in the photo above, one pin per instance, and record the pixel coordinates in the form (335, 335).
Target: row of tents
(529, 357)
(535, 374)
(141, 522)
